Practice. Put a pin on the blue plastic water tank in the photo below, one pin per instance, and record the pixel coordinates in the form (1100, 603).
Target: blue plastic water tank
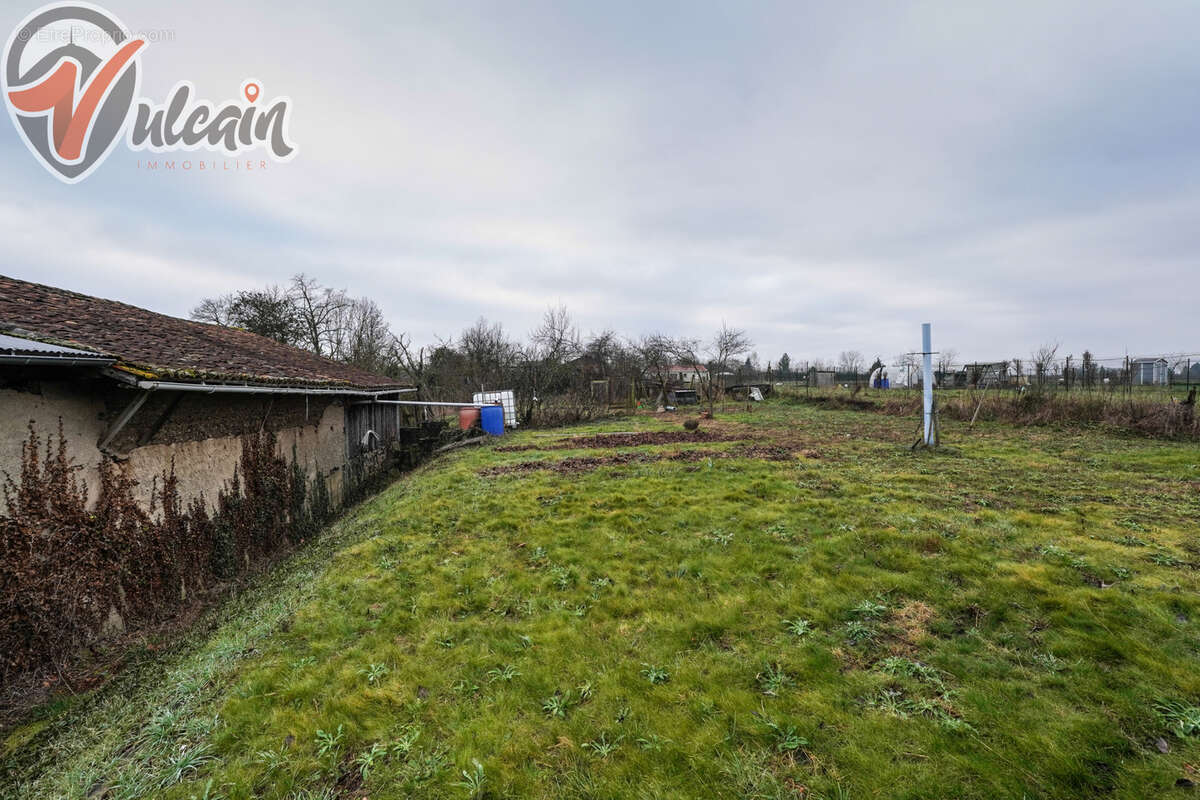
(491, 419)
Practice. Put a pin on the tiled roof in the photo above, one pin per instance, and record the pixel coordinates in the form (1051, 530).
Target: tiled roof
(168, 347)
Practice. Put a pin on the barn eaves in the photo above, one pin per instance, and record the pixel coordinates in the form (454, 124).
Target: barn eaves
(18, 351)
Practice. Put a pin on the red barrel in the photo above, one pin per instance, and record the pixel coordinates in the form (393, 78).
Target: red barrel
(468, 418)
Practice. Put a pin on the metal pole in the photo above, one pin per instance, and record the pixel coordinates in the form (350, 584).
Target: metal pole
(927, 366)
(422, 403)
(122, 420)
(58, 361)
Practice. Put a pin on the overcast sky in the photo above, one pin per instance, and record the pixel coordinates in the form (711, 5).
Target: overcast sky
(827, 176)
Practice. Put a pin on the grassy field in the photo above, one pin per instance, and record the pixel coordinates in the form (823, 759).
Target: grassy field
(792, 605)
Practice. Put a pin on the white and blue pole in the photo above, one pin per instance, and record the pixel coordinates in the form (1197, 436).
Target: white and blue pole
(927, 382)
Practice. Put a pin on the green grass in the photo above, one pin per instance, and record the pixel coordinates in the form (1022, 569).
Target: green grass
(1015, 615)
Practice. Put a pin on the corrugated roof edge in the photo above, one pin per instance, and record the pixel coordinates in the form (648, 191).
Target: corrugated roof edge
(42, 344)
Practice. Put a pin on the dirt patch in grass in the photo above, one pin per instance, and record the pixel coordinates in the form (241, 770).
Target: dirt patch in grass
(577, 464)
(610, 440)
(571, 466)
(767, 452)
(772, 444)
(912, 623)
(350, 783)
(837, 401)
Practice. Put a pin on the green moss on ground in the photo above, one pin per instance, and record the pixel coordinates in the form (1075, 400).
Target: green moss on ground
(1013, 616)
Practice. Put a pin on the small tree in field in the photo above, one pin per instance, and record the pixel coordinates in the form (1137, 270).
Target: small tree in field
(1044, 359)
(726, 345)
(653, 355)
(1088, 369)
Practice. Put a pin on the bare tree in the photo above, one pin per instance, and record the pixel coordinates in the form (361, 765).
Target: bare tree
(333, 324)
(946, 359)
(413, 363)
(654, 354)
(318, 312)
(366, 340)
(556, 338)
(214, 310)
(325, 321)
(545, 367)
(726, 345)
(489, 353)
(685, 352)
(603, 350)
(850, 361)
(267, 312)
(1043, 361)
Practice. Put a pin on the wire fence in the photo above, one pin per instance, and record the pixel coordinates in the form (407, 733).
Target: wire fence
(1166, 373)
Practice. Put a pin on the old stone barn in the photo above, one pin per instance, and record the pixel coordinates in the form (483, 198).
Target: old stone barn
(146, 458)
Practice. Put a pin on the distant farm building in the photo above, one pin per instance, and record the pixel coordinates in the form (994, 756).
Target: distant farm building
(822, 377)
(1148, 372)
(986, 374)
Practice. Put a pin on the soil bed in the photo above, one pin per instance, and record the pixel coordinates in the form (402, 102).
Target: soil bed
(571, 466)
(608, 440)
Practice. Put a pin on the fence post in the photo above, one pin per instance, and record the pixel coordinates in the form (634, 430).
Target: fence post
(927, 393)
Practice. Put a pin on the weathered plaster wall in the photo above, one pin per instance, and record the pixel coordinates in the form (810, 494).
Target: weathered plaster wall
(203, 466)
(200, 433)
(44, 404)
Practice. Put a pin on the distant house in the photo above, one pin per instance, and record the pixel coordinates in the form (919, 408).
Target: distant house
(1148, 371)
(690, 374)
(154, 393)
(687, 375)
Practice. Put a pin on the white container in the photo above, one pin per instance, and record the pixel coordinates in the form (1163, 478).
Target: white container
(506, 399)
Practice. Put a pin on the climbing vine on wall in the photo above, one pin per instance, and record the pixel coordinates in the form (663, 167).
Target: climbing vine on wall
(69, 573)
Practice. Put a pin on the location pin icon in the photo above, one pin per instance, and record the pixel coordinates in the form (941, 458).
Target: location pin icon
(251, 92)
